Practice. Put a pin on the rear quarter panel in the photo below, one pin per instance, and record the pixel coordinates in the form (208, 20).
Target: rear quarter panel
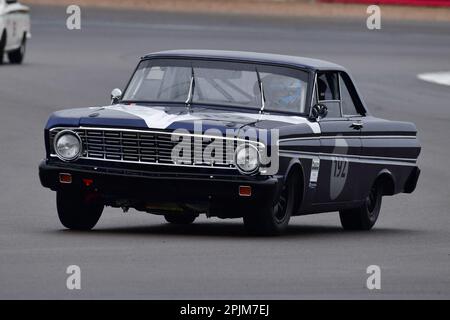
(389, 147)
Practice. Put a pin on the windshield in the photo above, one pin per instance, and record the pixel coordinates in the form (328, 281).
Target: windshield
(219, 83)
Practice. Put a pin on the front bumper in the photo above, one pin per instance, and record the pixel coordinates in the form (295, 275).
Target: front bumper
(219, 192)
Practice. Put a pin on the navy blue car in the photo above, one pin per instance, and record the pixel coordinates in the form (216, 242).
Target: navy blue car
(256, 136)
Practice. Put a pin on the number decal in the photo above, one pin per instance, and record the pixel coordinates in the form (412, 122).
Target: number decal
(340, 168)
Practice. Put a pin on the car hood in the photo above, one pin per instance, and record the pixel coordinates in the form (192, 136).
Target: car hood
(172, 118)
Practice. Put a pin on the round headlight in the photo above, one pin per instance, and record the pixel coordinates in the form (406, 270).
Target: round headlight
(247, 158)
(67, 145)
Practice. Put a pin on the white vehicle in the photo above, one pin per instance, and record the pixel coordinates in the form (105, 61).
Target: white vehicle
(14, 30)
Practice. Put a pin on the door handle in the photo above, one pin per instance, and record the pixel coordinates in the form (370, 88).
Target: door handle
(356, 125)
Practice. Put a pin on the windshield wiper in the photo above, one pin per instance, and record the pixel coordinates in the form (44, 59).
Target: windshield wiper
(190, 97)
(261, 90)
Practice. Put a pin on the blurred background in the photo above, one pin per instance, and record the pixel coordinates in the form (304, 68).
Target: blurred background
(140, 256)
(403, 9)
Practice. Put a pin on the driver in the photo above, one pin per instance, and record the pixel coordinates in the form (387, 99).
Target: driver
(282, 93)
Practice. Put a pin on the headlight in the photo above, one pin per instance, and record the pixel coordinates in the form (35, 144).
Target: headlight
(67, 145)
(247, 158)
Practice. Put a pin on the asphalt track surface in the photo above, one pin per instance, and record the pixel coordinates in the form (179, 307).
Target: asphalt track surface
(137, 255)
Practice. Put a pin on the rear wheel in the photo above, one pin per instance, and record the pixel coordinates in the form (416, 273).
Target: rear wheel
(180, 218)
(273, 220)
(364, 217)
(78, 211)
(17, 56)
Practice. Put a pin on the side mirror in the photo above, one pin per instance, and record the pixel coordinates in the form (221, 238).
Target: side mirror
(323, 111)
(116, 95)
(318, 111)
(314, 113)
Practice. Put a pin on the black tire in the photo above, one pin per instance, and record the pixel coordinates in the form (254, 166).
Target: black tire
(17, 56)
(180, 218)
(273, 220)
(2, 47)
(78, 211)
(364, 217)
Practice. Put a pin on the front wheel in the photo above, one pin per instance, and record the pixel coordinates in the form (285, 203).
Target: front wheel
(78, 211)
(364, 217)
(17, 56)
(273, 220)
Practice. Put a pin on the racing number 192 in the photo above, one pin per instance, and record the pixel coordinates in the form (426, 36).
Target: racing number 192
(340, 168)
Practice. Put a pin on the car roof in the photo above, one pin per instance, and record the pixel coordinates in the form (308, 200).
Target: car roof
(244, 56)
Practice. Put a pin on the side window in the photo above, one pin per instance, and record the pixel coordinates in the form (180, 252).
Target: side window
(328, 93)
(348, 102)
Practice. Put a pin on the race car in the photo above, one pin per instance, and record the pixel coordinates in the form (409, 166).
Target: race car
(14, 30)
(262, 137)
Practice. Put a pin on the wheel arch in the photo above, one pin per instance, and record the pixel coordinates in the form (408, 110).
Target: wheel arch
(295, 168)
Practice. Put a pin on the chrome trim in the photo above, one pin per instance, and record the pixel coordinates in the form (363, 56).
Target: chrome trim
(120, 154)
(156, 163)
(346, 137)
(314, 93)
(59, 176)
(329, 100)
(350, 156)
(260, 144)
(191, 86)
(58, 135)
(341, 109)
(355, 160)
(357, 125)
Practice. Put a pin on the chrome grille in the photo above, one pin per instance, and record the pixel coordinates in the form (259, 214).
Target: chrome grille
(149, 147)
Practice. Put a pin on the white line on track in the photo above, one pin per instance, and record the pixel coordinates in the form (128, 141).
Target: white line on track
(436, 77)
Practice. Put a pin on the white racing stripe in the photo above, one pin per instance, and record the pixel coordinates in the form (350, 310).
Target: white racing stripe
(154, 117)
(158, 118)
(436, 77)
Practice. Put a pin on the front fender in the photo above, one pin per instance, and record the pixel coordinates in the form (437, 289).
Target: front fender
(293, 163)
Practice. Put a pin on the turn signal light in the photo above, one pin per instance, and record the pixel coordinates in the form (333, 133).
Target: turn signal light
(65, 178)
(245, 191)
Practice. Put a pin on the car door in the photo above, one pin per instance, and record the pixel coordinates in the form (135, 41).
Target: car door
(340, 145)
